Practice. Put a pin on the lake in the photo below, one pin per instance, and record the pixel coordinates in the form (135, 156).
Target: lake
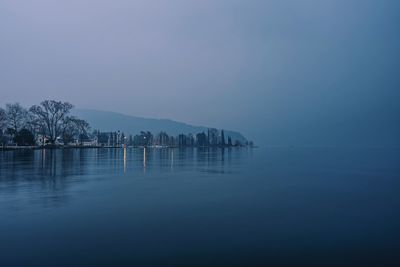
(200, 207)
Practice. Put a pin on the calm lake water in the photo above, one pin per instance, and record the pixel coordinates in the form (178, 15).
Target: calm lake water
(231, 207)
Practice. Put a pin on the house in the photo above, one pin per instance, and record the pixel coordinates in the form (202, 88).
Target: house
(59, 141)
(42, 140)
(90, 141)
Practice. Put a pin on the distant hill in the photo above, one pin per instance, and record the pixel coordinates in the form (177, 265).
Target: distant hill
(110, 121)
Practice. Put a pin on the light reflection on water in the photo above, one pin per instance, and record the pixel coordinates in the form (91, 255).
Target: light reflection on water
(54, 170)
(204, 207)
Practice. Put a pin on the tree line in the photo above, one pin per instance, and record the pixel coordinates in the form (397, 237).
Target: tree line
(211, 138)
(51, 123)
(50, 119)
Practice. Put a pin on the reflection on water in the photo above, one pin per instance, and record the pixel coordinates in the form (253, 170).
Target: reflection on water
(50, 170)
(124, 159)
(203, 207)
(65, 162)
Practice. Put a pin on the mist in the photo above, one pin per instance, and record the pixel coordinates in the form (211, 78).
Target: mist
(302, 73)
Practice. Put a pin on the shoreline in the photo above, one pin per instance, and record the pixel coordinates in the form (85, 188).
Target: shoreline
(14, 148)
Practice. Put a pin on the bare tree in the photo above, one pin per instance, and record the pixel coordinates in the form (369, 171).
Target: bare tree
(16, 117)
(73, 126)
(32, 123)
(3, 119)
(69, 129)
(82, 127)
(50, 117)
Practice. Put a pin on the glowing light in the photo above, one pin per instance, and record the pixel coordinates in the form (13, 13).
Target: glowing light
(125, 159)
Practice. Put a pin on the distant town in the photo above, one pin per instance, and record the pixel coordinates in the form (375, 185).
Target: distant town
(50, 125)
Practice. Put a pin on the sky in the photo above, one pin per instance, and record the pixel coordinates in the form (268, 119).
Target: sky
(282, 72)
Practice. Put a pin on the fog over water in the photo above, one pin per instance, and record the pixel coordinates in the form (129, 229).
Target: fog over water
(289, 72)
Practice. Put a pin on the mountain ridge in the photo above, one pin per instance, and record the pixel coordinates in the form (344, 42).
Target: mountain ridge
(107, 121)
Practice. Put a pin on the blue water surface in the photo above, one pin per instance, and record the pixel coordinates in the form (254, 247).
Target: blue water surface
(200, 207)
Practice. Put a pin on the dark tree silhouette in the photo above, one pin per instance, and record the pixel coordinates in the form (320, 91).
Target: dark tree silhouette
(3, 125)
(16, 117)
(69, 129)
(202, 139)
(123, 141)
(82, 128)
(213, 137)
(50, 116)
(3, 119)
(223, 138)
(24, 138)
(229, 141)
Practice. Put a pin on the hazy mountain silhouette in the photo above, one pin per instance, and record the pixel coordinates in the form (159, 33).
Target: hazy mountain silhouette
(112, 121)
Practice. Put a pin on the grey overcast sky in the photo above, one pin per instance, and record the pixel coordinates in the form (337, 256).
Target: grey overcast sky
(283, 72)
